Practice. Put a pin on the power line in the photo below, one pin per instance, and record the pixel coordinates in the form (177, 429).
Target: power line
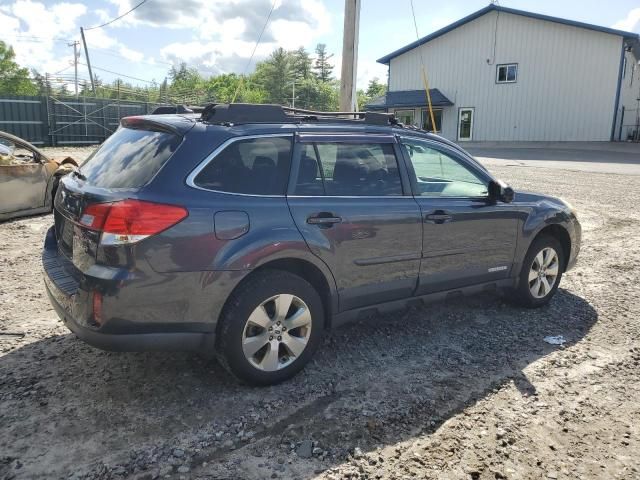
(60, 71)
(34, 38)
(118, 18)
(264, 27)
(119, 74)
(112, 53)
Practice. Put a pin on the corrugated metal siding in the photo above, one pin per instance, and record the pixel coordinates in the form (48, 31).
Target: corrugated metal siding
(566, 84)
(65, 121)
(25, 117)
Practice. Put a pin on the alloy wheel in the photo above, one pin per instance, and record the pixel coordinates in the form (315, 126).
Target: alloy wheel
(277, 332)
(543, 273)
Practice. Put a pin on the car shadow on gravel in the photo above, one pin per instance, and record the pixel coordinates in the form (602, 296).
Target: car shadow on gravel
(374, 382)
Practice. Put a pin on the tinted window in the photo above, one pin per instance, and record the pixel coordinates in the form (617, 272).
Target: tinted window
(258, 166)
(129, 158)
(507, 73)
(441, 175)
(343, 169)
(426, 120)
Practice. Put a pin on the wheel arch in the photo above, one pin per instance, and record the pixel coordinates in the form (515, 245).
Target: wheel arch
(561, 234)
(304, 269)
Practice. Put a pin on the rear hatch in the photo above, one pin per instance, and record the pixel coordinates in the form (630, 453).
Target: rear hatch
(102, 193)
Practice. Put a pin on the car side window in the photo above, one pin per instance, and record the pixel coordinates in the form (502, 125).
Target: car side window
(256, 166)
(346, 169)
(14, 154)
(441, 175)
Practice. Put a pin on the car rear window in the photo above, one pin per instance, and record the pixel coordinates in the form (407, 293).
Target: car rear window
(129, 158)
(256, 166)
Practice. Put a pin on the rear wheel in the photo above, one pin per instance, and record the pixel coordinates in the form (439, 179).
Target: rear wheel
(270, 327)
(541, 272)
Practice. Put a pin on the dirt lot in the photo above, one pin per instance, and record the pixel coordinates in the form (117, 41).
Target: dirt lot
(467, 390)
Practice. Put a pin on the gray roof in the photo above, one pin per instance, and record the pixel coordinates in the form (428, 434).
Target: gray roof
(633, 37)
(409, 98)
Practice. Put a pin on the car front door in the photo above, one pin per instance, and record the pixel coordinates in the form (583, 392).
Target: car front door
(467, 238)
(23, 178)
(351, 200)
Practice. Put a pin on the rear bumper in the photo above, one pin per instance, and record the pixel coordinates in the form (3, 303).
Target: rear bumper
(130, 324)
(136, 342)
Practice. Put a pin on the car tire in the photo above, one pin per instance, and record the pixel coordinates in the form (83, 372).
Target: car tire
(270, 327)
(537, 285)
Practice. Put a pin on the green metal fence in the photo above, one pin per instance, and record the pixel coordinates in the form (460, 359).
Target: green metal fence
(51, 121)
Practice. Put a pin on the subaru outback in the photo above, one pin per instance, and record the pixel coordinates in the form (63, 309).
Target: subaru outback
(248, 231)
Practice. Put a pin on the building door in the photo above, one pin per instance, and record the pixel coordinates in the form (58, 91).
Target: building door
(465, 124)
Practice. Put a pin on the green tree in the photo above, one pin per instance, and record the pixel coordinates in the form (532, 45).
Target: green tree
(301, 64)
(42, 84)
(275, 76)
(14, 80)
(322, 68)
(187, 85)
(231, 87)
(375, 88)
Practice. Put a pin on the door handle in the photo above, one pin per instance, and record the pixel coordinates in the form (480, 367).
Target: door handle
(324, 220)
(438, 217)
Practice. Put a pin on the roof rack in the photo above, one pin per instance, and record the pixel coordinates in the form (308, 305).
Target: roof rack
(235, 113)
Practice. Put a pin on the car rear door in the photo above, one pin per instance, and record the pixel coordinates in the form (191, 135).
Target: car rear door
(350, 199)
(23, 178)
(467, 239)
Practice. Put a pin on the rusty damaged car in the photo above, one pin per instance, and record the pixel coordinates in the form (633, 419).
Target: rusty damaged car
(28, 178)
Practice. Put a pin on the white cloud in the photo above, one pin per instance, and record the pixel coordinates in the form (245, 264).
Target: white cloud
(219, 35)
(226, 31)
(98, 39)
(630, 22)
(34, 29)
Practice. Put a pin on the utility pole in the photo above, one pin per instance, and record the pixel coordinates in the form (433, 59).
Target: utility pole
(293, 94)
(348, 97)
(75, 44)
(86, 52)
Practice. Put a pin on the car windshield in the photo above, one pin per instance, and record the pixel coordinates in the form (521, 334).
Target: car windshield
(129, 158)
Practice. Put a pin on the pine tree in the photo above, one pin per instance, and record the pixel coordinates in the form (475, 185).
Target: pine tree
(322, 68)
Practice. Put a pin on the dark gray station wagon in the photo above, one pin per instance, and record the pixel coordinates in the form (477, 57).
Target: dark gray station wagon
(250, 230)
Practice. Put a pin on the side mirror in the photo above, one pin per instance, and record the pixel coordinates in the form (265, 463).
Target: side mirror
(500, 191)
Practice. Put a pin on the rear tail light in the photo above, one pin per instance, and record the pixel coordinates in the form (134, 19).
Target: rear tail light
(129, 221)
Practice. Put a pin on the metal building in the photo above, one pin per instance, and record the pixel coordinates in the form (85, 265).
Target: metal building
(501, 74)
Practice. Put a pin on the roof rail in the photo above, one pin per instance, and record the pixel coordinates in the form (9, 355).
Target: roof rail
(235, 113)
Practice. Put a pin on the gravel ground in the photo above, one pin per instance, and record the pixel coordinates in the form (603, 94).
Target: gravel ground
(465, 390)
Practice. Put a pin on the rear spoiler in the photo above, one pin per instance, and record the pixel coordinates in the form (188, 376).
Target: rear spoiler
(177, 126)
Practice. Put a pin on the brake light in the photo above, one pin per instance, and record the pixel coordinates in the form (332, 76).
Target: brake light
(95, 215)
(129, 221)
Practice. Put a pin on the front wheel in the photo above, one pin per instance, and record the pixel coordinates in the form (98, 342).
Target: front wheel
(270, 327)
(541, 272)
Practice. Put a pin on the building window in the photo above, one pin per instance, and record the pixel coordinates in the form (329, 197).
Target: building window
(426, 119)
(507, 73)
(405, 116)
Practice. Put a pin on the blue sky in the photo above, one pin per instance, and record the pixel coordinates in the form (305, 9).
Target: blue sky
(218, 36)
